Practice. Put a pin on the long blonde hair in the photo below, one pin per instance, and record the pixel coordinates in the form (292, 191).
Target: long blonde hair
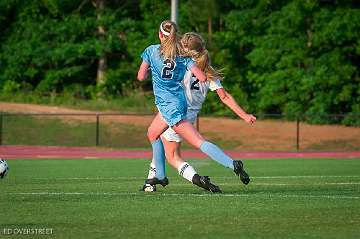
(170, 47)
(193, 45)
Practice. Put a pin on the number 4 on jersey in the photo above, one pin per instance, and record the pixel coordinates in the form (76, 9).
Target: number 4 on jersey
(167, 70)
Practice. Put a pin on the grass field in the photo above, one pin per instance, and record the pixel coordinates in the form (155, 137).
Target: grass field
(287, 198)
(39, 130)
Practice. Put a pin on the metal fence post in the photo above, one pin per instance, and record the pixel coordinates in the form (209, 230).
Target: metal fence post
(97, 129)
(297, 134)
(1, 127)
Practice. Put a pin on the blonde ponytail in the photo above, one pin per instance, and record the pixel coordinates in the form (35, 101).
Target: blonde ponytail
(203, 62)
(170, 48)
(193, 45)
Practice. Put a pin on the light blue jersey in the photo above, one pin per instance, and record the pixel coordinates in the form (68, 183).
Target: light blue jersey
(167, 76)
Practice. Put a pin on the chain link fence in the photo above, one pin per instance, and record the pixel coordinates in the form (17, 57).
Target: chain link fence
(128, 131)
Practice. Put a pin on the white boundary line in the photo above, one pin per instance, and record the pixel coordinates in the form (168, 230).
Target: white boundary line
(290, 184)
(309, 176)
(183, 195)
(265, 184)
(259, 177)
(284, 184)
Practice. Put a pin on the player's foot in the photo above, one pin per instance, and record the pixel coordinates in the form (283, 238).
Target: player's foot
(148, 188)
(204, 182)
(153, 181)
(239, 171)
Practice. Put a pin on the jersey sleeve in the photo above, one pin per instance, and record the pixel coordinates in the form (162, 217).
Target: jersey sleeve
(189, 63)
(215, 85)
(146, 55)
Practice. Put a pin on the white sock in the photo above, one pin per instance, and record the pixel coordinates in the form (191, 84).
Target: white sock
(152, 170)
(186, 171)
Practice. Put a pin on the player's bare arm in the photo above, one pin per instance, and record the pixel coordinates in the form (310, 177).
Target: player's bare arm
(199, 74)
(230, 102)
(143, 71)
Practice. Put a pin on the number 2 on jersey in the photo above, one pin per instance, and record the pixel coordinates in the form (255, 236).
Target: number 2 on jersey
(194, 85)
(167, 70)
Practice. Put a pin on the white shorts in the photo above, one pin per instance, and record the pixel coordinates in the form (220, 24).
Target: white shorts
(171, 136)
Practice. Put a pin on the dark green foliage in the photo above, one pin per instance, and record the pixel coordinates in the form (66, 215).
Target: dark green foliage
(298, 58)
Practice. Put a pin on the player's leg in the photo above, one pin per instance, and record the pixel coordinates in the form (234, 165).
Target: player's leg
(186, 130)
(173, 155)
(156, 128)
(151, 174)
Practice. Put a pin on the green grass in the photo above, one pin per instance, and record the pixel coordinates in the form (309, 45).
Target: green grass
(136, 102)
(64, 131)
(287, 198)
(46, 130)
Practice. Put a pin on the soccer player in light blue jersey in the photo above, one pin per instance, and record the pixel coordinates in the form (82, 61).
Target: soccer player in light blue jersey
(168, 66)
(195, 92)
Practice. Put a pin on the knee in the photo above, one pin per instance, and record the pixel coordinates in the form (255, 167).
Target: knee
(151, 135)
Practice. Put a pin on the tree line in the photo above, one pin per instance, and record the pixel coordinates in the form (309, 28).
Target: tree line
(294, 57)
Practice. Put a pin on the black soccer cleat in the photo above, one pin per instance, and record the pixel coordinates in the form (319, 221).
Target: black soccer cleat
(204, 182)
(148, 188)
(239, 171)
(153, 181)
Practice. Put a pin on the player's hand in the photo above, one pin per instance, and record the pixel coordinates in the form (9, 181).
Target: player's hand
(249, 118)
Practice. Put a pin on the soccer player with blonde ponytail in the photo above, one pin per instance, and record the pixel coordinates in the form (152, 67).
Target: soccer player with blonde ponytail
(194, 46)
(170, 99)
(170, 47)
